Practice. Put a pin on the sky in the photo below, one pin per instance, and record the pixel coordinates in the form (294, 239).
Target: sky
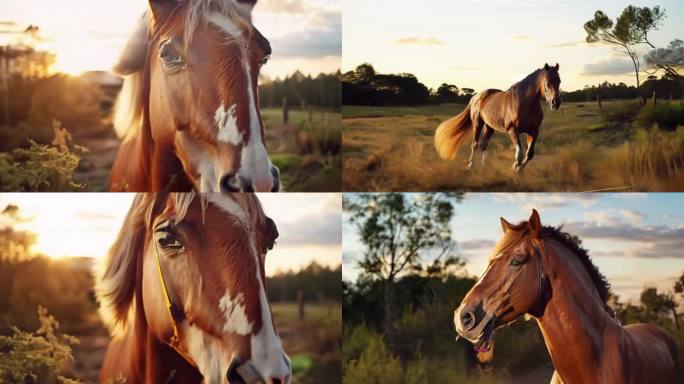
(86, 224)
(635, 240)
(88, 35)
(483, 44)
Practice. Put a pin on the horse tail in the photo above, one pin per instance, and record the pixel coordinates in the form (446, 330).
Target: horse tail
(450, 134)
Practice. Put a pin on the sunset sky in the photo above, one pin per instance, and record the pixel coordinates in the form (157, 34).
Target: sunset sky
(87, 224)
(89, 35)
(491, 43)
(634, 239)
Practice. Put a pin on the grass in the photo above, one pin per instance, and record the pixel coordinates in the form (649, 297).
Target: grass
(391, 149)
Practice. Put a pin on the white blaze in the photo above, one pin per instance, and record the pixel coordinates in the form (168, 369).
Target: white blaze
(254, 162)
(226, 121)
(234, 313)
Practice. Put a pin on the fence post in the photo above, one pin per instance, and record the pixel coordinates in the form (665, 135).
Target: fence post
(286, 111)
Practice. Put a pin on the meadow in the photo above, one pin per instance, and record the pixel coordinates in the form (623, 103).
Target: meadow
(619, 147)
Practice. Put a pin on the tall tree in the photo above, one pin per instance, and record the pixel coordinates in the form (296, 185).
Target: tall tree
(400, 232)
(628, 31)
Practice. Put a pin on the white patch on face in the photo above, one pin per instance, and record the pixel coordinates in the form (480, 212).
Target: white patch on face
(225, 23)
(208, 353)
(226, 121)
(228, 205)
(254, 162)
(268, 356)
(234, 312)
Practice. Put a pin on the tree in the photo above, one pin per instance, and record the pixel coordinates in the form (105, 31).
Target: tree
(656, 303)
(628, 31)
(399, 232)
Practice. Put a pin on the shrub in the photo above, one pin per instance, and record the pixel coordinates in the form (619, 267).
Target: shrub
(666, 115)
(617, 114)
(652, 154)
(575, 164)
(375, 365)
(38, 168)
(38, 357)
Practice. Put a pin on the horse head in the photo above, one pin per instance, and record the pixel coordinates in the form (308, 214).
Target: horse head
(202, 60)
(550, 83)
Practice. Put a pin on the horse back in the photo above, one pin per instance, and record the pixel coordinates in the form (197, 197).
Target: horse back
(653, 353)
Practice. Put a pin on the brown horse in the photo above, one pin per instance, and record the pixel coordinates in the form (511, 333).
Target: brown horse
(189, 109)
(515, 111)
(183, 293)
(542, 271)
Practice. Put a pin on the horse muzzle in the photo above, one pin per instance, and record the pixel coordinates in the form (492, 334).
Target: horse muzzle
(246, 373)
(234, 182)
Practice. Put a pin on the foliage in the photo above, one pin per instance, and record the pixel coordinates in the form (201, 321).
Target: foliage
(305, 91)
(629, 30)
(38, 168)
(652, 154)
(366, 87)
(666, 115)
(620, 114)
(314, 281)
(38, 357)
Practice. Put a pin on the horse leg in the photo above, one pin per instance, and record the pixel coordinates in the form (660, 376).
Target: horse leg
(489, 131)
(531, 141)
(477, 130)
(515, 139)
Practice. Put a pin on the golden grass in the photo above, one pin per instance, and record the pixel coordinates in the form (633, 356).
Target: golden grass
(575, 152)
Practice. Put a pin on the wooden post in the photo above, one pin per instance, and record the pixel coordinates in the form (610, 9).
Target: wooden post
(655, 98)
(300, 304)
(286, 111)
(598, 97)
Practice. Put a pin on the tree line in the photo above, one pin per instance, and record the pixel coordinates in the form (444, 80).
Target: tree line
(302, 91)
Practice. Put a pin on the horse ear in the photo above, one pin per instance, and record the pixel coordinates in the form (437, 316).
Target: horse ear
(162, 8)
(534, 223)
(546, 66)
(557, 66)
(505, 225)
(132, 58)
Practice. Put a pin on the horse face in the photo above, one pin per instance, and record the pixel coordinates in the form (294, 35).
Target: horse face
(507, 289)
(203, 97)
(551, 86)
(212, 253)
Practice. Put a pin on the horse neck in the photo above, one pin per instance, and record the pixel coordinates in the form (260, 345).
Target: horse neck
(575, 318)
(529, 89)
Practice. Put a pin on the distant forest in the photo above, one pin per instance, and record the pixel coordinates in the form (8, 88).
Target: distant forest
(364, 86)
(302, 91)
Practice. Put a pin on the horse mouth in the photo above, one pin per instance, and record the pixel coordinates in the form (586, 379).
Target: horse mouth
(486, 340)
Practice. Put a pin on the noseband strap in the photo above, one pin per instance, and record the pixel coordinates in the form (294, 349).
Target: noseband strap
(176, 312)
(505, 307)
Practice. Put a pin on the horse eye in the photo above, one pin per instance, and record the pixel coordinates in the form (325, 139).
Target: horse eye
(169, 55)
(516, 263)
(264, 60)
(169, 241)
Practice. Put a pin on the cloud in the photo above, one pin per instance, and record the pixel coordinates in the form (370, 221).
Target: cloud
(611, 65)
(283, 6)
(475, 244)
(323, 37)
(320, 229)
(570, 44)
(647, 241)
(528, 201)
(522, 37)
(418, 41)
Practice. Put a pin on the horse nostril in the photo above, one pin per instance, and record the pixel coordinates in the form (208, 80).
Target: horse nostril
(276, 381)
(230, 183)
(275, 173)
(467, 320)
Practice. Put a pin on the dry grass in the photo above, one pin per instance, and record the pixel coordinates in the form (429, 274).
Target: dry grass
(575, 152)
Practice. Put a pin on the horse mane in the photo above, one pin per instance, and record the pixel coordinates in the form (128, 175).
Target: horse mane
(129, 107)
(529, 80)
(118, 274)
(573, 244)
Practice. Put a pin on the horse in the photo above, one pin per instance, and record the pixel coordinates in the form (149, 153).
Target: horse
(188, 111)
(182, 292)
(515, 111)
(543, 272)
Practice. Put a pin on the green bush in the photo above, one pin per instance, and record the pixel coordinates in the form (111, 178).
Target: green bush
(38, 168)
(36, 357)
(666, 115)
(375, 365)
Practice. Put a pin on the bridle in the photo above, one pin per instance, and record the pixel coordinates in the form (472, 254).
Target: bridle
(238, 373)
(543, 287)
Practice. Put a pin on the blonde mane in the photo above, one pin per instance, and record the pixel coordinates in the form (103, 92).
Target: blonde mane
(128, 110)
